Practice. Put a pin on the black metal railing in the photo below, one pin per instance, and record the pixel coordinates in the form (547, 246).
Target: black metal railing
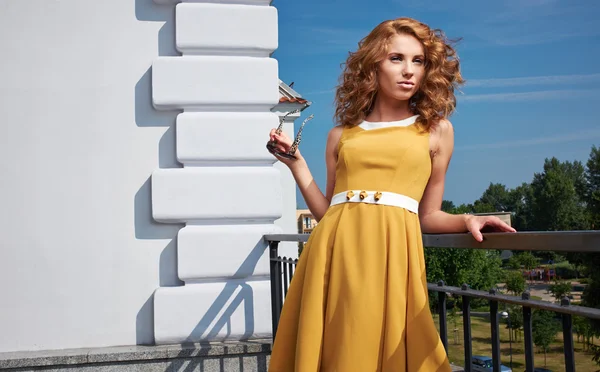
(282, 270)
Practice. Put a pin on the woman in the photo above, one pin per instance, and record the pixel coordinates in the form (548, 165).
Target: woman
(358, 299)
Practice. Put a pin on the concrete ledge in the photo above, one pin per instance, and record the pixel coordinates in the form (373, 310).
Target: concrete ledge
(218, 356)
(217, 195)
(202, 138)
(226, 29)
(215, 83)
(248, 2)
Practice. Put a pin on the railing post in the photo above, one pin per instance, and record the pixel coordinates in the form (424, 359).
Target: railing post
(527, 333)
(495, 333)
(442, 314)
(291, 268)
(275, 285)
(286, 279)
(567, 322)
(466, 305)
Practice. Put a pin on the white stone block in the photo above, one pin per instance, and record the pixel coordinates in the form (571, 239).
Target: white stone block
(226, 29)
(249, 2)
(216, 194)
(233, 310)
(210, 138)
(223, 251)
(215, 83)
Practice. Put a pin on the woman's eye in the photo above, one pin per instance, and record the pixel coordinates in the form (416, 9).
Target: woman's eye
(419, 61)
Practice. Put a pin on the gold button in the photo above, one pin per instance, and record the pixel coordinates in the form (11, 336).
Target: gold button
(377, 196)
(363, 194)
(349, 195)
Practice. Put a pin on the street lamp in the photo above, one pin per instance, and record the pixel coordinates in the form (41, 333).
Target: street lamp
(505, 315)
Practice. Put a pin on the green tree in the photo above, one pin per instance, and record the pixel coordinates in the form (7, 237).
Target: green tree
(592, 192)
(520, 202)
(480, 269)
(595, 354)
(582, 327)
(515, 320)
(515, 283)
(514, 263)
(558, 202)
(591, 294)
(545, 327)
(448, 206)
(528, 260)
(496, 198)
(462, 209)
(525, 259)
(560, 288)
(479, 207)
(453, 319)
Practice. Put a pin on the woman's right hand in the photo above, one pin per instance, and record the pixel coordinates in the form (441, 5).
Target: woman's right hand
(283, 144)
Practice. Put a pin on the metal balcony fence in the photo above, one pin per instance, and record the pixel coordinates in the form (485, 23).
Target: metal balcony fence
(282, 271)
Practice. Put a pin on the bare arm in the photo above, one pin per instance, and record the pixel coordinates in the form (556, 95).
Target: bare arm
(433, 219)
(316, 201)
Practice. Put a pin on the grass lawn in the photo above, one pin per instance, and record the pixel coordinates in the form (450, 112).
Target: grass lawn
(481, 337)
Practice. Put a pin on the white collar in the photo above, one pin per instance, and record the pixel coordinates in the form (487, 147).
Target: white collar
(367, 125)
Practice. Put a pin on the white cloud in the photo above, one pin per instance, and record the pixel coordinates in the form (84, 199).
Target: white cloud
(519, 35)
(535, 80)
(319, 92)
(562, 138)
(543, 95)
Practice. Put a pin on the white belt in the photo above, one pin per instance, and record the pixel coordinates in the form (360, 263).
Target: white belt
(376, 197)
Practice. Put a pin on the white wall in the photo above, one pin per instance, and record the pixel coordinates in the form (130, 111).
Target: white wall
(81, 254)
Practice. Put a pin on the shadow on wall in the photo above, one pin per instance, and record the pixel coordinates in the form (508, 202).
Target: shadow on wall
(147, 116)
(244, 297)
(144, 322)
(234, 295)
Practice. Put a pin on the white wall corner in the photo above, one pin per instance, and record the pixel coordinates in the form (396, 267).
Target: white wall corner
(229, 193)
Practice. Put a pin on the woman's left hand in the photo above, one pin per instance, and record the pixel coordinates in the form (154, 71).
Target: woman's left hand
(475, 224)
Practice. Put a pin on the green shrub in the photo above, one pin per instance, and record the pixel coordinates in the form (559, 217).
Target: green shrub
(565, 270)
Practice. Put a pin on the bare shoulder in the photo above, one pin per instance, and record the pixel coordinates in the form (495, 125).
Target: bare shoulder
(443, 137)
(335, 132)
(333, 137)
(445, 125)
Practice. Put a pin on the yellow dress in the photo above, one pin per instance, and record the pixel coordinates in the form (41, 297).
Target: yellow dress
(358, 299)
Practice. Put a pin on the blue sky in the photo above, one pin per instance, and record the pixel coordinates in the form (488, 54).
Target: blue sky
(532, 69)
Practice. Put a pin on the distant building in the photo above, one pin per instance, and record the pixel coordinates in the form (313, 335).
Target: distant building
(504, 216)
(306, 221)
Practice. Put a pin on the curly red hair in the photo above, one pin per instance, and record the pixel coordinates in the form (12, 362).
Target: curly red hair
(435, 99)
